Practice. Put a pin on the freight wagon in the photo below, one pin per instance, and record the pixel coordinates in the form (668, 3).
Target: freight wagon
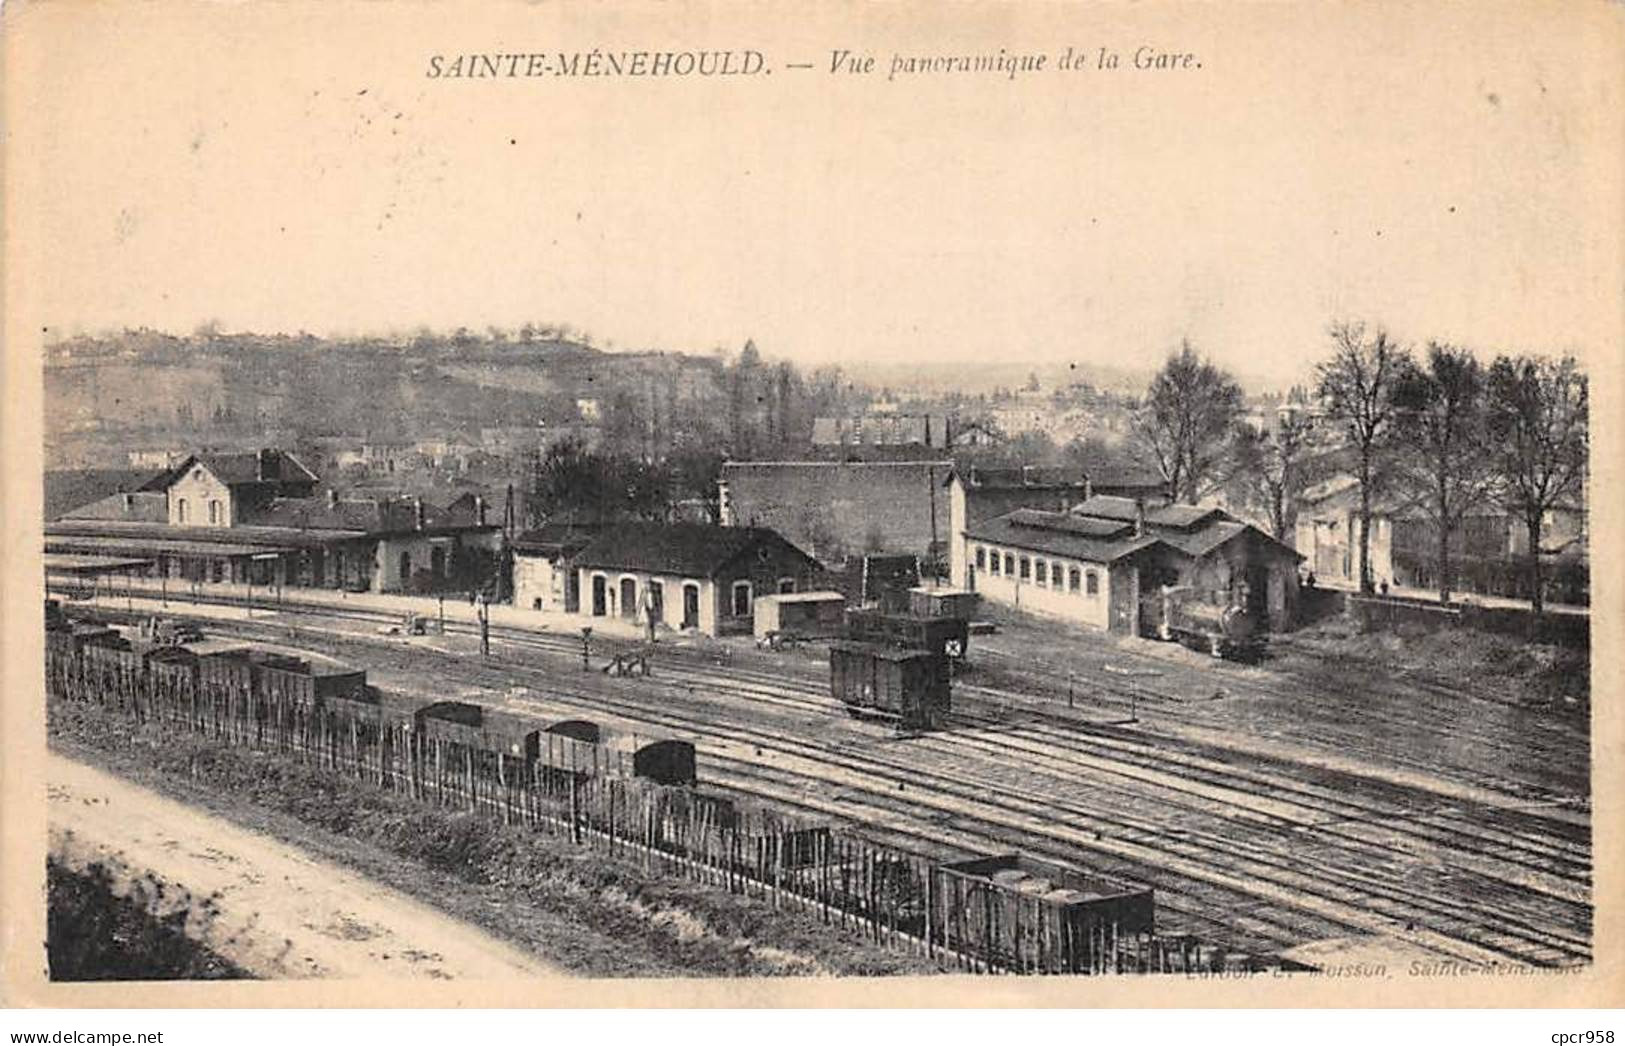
(1074, 920)
(910, 687)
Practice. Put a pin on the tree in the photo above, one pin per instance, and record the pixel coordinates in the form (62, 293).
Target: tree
(1356, 385)
(1186, 422)
(1539, 428)
(1271, 470)
(568, 476)
(1440, 421)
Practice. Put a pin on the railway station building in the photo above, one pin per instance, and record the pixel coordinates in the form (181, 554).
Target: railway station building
(262, 518)
(688, 576)
(1098, 562)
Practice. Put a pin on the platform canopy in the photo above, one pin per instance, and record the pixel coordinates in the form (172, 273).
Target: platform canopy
(91, 566)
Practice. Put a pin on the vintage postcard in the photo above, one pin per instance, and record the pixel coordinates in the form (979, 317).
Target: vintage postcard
(837, 504)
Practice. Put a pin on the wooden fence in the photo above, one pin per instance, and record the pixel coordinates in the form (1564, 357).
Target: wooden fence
(896, 899)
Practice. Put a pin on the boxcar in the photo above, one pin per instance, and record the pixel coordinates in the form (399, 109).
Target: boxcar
(910, 687)
(303, 684)
(662, 760)
(569, 748)
(1023, 912)
(940, 635)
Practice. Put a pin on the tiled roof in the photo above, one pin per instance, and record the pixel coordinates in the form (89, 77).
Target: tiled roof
(688, 549)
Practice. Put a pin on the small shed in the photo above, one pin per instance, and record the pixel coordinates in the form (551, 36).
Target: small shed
(805, 615)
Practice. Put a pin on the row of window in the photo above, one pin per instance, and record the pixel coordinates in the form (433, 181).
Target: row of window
(216, 512)
(1042, 572)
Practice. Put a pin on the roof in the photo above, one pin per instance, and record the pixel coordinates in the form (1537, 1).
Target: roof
(688, 549)
(366, 515)
(1054, 532)
(141, 505)
(1087, 526)
(1044, 476)
(68, 563)
(132, 544)
(142, 536)
(268, 466)
(68, 489)
(806, 597)
(1102, 534)
(553, 538)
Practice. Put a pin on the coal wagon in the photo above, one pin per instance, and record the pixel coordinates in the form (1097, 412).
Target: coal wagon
(1021, 913)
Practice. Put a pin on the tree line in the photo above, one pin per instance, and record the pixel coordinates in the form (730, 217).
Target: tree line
(1436, 430)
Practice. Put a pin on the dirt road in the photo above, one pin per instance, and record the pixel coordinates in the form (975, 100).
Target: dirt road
(259, 902)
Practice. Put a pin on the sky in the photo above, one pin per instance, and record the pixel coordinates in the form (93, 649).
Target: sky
(1449, 172)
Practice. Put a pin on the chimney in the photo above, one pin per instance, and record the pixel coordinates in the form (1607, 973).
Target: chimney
(417, 512)
(332, 497)
(479, 510)
(1139, 516)
(1088, 487)
(262, 462)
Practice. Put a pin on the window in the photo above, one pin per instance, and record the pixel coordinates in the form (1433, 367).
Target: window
(214, 512)
(1072, 579)
(787, 585)
(994, 561)
(741, 601)
(180, 510)
(1092, 580)
(1026, 568)
(981, 558)
(1009, 564)
(1042, 571)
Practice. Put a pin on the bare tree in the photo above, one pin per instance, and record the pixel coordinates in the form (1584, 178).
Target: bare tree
(1186, 422)
(1539, 417)
(1356, 385)
(1271, 470)
(1440, 420)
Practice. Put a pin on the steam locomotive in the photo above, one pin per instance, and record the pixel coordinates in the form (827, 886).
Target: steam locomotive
(1217, 623)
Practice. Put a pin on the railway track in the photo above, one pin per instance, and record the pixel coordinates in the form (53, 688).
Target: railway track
(1185, 844)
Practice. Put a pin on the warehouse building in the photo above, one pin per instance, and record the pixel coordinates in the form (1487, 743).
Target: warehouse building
(1095, 564)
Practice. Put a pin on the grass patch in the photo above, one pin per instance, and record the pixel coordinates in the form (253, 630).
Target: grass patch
(1487, 664)
(583, 912)
(95, 934)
